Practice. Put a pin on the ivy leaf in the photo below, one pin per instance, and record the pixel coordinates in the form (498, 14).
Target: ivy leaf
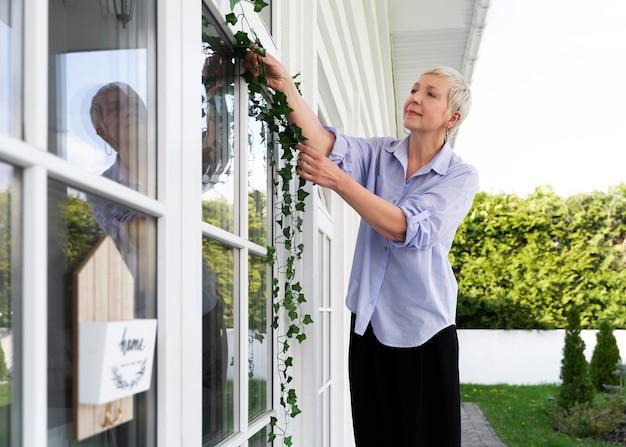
(295, 411)
(273, 421)
(307, 319)
(231, 18)
(259, 5)
(302, 194)
(289, 361)
(288, 441)
(301, 337)
(271, 437)
(233, 3)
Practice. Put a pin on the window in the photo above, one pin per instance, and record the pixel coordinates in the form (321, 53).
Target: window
(259, 439)
(236, 229)
(77, 222)
(10, 63)
(10, 373)
(102, 90)
(218, 127)
(219, 341)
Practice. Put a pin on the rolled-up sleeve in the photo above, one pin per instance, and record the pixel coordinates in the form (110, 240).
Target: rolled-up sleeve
(437, 213)
(353, 155)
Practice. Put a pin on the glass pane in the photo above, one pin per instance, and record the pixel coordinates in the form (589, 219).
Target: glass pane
(9, 67)
(259, 439)
(77, 224)
(258, 135)
(259, 338)
(9, 301)
(218, 126)
(102, 100)
(219, 342)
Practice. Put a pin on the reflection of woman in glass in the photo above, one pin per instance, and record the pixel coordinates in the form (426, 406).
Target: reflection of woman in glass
(215, 146)
(215, 160)
(119, 116)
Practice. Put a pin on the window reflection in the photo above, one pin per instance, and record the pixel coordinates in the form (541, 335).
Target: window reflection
(9, 54)
(9, 299)
(101, 90)
(218, 342)
(77, 222)
(259, 439)
(218, 126)
(259, 338)
(258, 137)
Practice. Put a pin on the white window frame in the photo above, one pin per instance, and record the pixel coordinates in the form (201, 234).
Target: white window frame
(240, 243)
(176, 209)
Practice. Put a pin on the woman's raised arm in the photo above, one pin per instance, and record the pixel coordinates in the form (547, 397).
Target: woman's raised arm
(278, 79)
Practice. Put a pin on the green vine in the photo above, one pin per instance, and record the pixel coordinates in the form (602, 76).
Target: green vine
(270, 107)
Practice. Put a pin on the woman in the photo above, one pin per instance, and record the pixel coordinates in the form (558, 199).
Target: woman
(411, 195)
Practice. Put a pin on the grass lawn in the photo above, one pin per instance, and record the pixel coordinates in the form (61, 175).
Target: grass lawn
(516, 414)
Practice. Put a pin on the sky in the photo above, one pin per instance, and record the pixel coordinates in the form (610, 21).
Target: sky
(549, 97)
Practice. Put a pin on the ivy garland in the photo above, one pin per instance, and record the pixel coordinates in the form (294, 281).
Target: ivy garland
(270, 107)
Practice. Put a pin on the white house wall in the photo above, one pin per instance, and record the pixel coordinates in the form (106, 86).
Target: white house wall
(342, 50)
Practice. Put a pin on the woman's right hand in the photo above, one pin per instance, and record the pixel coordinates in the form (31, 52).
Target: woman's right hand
(275, 74)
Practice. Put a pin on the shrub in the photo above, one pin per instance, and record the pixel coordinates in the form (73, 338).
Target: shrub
(576, 386)
(605, 358)
(583, 420)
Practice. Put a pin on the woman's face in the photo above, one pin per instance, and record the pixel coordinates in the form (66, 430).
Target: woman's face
(115, 124)
(426, 108)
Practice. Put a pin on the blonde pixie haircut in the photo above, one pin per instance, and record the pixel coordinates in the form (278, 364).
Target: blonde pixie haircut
(460, 95)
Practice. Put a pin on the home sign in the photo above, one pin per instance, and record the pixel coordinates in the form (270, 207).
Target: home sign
(114, 359)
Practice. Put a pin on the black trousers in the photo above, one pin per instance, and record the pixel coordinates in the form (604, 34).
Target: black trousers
(405, 397)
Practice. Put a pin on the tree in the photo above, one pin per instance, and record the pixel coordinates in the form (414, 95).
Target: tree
(576, 386)
(605, 358)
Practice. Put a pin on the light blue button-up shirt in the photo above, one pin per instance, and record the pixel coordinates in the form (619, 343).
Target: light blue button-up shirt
(406, 289)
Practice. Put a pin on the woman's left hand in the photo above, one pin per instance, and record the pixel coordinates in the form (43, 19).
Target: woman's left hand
(316, 168)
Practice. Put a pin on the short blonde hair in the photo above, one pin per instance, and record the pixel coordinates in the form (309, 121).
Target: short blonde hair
(96, 112)
(459, 96)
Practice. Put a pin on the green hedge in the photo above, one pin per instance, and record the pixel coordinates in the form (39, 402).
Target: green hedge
(521, 261)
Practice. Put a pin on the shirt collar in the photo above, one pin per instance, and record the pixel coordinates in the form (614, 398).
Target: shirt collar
(439, 163)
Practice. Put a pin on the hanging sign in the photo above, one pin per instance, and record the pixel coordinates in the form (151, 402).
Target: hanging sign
(114, 359)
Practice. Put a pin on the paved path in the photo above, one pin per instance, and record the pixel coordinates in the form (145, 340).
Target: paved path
(475, 430)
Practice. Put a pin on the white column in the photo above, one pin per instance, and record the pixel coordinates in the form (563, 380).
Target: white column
(34, 308)
(36, 72)
(170, 385)
(190, 287)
